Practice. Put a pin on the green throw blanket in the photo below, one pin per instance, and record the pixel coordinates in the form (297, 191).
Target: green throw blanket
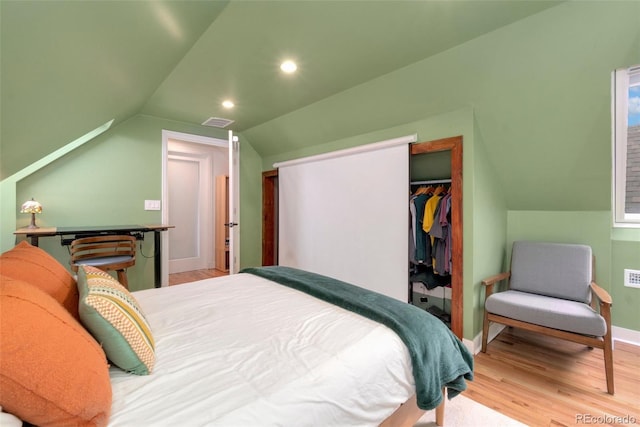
(438, 357)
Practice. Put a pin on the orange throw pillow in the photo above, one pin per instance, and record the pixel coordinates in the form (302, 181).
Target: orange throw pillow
(33, 265)
(52, 372)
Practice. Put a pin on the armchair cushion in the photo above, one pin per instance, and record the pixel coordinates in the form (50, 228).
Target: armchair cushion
(552, 269)
(556, 313)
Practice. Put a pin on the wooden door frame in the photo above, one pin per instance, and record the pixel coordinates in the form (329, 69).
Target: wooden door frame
(269, 213)
(453, 144)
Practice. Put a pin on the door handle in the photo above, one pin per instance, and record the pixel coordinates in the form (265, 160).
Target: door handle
(231, 224)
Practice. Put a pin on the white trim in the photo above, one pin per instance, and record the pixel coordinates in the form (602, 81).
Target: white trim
(629, 336)
(8, 185)
(471, 346)
(349, 151)
(37, 165)
(199, 139)
(621, 80)
(475, 346)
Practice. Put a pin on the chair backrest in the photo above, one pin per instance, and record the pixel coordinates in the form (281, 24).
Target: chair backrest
(118, 247)
(553, 269)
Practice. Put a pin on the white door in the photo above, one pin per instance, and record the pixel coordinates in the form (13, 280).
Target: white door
(190, 212)
(234, 203)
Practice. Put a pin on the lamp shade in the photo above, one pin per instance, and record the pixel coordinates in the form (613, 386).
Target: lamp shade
(31, 206)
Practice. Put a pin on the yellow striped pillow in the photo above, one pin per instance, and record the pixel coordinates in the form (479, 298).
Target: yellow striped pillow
(114, 318)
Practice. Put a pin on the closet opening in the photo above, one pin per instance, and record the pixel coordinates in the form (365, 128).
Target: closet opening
(447, 155)
(436, 282)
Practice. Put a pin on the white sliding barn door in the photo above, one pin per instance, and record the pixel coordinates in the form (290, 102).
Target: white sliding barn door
(346, 215)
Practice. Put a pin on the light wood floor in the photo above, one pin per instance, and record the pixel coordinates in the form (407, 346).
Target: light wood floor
(542, 381)
(192, 276)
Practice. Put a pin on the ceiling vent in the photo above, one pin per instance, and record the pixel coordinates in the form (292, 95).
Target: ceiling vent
(217, 122)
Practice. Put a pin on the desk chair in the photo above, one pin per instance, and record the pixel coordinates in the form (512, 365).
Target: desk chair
(108, 253)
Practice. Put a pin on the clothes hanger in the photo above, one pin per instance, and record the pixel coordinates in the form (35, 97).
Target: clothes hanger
(422, 190)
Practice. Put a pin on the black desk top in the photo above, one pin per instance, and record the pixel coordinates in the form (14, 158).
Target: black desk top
(90, 229)
(100, 228)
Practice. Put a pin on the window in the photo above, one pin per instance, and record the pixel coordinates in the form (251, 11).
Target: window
(626, 147)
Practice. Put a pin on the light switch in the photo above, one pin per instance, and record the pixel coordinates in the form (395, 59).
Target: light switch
(152, 205)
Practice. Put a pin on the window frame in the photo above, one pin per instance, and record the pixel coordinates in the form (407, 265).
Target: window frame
(622, 80)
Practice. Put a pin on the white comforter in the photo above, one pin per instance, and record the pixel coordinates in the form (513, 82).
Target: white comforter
(244, 351)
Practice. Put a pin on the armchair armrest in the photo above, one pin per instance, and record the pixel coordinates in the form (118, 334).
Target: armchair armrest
(490, 281)
(605, 302)
(496, 278)
(601, 294)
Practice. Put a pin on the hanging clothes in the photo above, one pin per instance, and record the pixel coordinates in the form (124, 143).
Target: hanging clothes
(440, 232)
(412, 230)
(429, 219)
(430, 237)
(423, 244)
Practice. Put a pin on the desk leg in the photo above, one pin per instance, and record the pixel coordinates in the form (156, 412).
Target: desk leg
(157, 267)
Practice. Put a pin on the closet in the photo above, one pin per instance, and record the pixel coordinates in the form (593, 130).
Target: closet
(327, 225)
(435, 255)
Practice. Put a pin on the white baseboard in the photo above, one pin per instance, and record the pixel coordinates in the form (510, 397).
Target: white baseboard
(476, 345)
(629, 336)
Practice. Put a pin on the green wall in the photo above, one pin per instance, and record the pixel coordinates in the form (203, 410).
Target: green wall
(531, 99)
(539, 90)
(484, 212)
(107, 180)
(250, 205)
(625, 254)
(489, 232)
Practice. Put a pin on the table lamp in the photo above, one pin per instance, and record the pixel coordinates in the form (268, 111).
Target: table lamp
(32, 207)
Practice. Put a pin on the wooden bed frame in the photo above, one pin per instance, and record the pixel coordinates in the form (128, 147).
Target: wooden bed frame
(408, 414)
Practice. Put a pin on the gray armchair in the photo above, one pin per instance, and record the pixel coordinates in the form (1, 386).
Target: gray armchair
(551, 291)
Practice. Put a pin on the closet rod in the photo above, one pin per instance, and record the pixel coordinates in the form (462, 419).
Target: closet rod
(431, 181)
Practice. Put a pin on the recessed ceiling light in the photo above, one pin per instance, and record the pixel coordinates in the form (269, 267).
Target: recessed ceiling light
(288, 66)
(228, 104)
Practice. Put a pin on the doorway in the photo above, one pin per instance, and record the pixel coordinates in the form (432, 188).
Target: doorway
(190, 164)
(454, 146)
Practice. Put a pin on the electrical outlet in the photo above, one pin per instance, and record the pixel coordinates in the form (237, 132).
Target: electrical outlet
(152, 205)
(632, 278)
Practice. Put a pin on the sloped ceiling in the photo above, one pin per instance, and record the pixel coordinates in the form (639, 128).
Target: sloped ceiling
(69, 66)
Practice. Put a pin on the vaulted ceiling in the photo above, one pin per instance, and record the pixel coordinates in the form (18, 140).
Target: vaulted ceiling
(70, 66)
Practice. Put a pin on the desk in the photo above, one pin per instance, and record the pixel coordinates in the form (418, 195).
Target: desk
(68, 234)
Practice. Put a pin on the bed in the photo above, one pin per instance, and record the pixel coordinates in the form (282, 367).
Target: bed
(246, 350)
(274, 346)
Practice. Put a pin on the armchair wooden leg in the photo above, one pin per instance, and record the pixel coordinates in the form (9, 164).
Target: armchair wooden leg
(605, 311)
(485, 331)
(608, 363)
